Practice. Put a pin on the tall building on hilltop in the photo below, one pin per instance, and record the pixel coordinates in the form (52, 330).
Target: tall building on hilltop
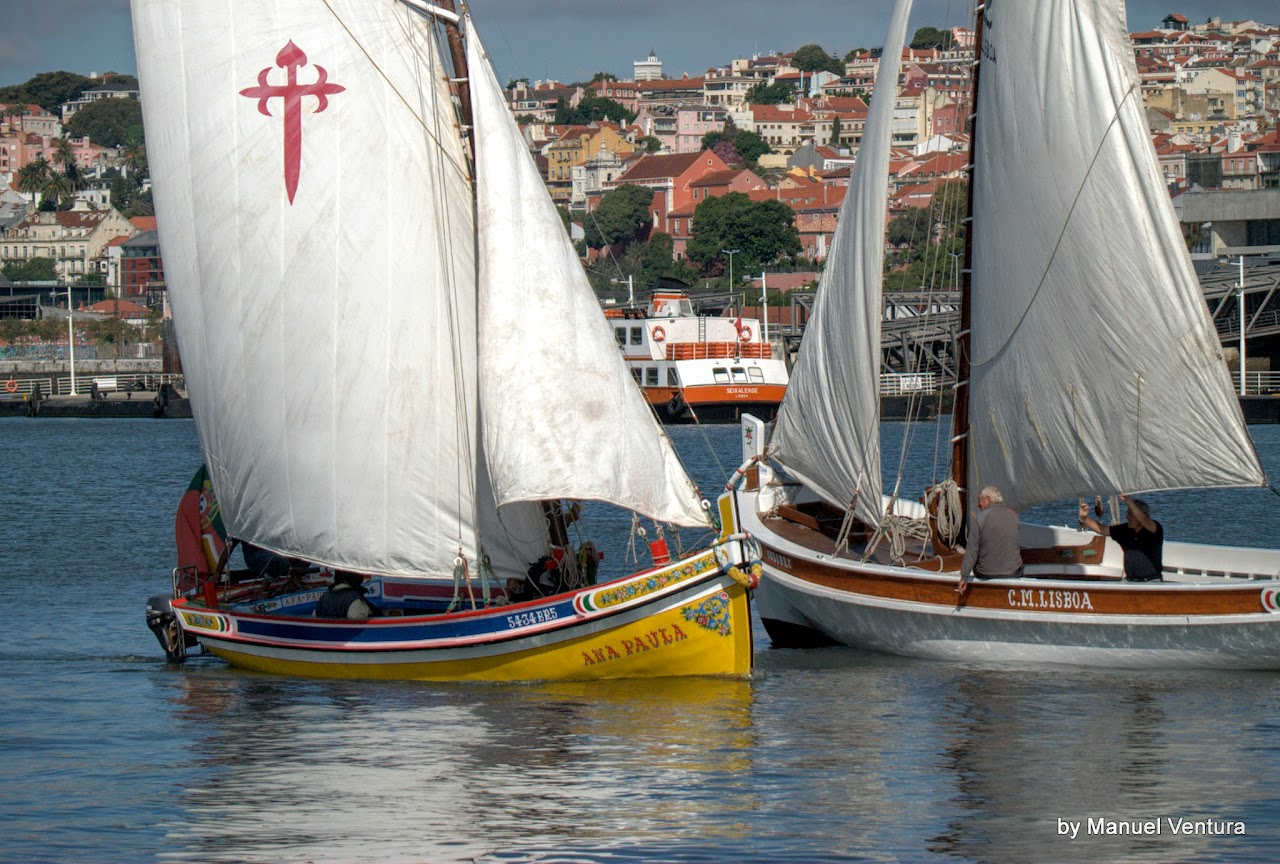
(648, 70)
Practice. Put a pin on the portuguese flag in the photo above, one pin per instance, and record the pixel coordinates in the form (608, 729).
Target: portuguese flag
(199, 532)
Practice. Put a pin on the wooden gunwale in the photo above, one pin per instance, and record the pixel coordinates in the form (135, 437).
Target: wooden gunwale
(1046, 592)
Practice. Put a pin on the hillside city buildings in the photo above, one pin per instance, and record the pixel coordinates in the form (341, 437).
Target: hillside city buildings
(1211, 90)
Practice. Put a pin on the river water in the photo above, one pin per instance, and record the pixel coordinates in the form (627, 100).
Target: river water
(112, 755)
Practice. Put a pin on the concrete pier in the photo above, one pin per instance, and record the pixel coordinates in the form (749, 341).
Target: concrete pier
(168, 402)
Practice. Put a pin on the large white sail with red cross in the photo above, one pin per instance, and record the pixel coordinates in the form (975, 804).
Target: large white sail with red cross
(315, 216)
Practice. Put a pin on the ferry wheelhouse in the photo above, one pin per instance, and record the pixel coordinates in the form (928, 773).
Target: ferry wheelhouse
(699, 368)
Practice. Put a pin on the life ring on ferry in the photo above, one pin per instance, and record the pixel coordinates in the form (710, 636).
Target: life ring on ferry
(11, 386)
(745, 334)
(659, 334)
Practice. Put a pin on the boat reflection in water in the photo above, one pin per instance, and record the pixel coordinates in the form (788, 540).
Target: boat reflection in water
(357, 771)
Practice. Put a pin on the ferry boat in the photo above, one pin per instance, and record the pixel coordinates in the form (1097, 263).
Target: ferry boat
(699, 368)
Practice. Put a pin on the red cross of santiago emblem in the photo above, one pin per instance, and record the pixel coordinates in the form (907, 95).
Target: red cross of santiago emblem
(291, 59)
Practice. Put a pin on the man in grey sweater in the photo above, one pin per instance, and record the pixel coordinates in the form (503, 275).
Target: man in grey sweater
(992, 551)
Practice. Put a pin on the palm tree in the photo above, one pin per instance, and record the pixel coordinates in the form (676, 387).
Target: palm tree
(33, 176)
(15, 111)
(134, 151)
(58, 189)
(64, 156)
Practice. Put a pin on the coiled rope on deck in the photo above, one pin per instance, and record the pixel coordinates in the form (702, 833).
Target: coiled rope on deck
(948, 511)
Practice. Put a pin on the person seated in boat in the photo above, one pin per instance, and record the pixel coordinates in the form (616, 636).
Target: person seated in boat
(1140, 536)
(992, 551)
(345, 598)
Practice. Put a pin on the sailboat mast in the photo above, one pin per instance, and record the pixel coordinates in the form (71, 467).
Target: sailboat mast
(960, 407)
(458, 54)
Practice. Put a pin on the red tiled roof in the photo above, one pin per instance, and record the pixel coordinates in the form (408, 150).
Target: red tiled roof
(717, 178)
(660, 166)
(120, 308)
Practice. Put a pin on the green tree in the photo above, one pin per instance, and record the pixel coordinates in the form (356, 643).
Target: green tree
(48, 90)
(752, 146)
(65, 158)
(749, 145)
(11, 329)
(910, 230)
(777, 93)
(836, 131)
(812, 58)
(649, 143)
(656, 259)
(622, 217)
(762, 231)
(33, 176)
(932, 37)
(120, 78)
(854, 54)
(948, 208)
(591, 109)
(140, 205)
(111, 330)
(106, 122)
(133, 150)
(925, 240)
(59, 192)
(30, 270)
(15, 110)
(48, 329)
(123, 191)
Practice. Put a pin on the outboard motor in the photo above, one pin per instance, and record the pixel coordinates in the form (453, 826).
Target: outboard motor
(164, 623)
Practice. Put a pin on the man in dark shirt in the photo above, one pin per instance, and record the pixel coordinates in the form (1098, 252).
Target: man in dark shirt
(1141, 538)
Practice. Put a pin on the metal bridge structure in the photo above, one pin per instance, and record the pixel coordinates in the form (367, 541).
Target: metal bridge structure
(920, 329)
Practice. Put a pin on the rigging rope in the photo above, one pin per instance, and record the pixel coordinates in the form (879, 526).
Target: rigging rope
(899, 530)
(948, 512)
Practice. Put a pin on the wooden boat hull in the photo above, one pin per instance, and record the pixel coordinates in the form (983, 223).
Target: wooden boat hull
(690, 618)
(1076, 611)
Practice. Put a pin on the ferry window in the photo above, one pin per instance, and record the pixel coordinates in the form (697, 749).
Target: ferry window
(739, 374)
(755, 373)
(721, 375)
(651, 376)
(635, 373)
(673, 379)
(620, 333)
(636, 335)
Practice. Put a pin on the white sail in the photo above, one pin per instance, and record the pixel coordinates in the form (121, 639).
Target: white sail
(828, 428)
(562, 417)
(326, 323)
(1095, 365)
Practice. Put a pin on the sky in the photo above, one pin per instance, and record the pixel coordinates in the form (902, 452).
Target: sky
(567, 40)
